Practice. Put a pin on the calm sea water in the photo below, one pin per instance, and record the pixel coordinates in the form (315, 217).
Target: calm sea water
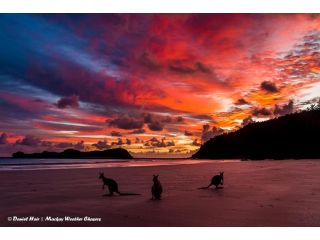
(7, 164)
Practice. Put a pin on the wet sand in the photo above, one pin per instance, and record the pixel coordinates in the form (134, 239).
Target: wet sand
(262, 193)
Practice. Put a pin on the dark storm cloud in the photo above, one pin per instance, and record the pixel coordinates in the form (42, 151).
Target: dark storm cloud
(155, 126)
(79, 146)
(154, 142)
(136, 122)
(159, 121)
(207, 134)
(242, 101)
(69, 101)
(167, 119)
(101, 145)
(187, 133)
(29, 141)
(269, 87)
(126, 123)
(247, 121)
(64, 145)
(118, 143)
(147, 117)
(261, 112)
(116, 134)
(3, 138)
(284, 109)
(184, 67)
(138, 131)
(128, 141)
(179, 119)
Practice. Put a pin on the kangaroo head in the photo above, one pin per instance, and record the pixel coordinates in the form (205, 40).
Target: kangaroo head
(101, 175)
(221, 174)
(155, 178)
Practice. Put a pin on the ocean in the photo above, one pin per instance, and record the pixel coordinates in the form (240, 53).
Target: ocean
(12, 164)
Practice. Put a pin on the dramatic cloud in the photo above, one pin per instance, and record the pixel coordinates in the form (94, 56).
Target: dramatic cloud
(247, 121)
(71, 101)
(284, 109)
(269, 87)
(64, 145)
(179, 119)
(261, 112)
(116, 134)
(101, 145)
(138, 131)
(154, 142)
(207, 134)
(156, 126)
(183, 67)
(121, 142)
(79, 146)
(3, 138)
(202, 117)
(126, 123)
(242, 101)
(29, 141)
(187, 133)
(150, 75)
(196, 143)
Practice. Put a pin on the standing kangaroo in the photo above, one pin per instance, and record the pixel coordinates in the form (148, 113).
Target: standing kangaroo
(111, 184)
(156, 189)
(216, 180)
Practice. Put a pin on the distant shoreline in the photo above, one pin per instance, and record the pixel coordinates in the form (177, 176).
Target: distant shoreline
(170, 158)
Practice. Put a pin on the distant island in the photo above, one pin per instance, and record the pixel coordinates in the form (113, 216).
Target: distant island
(116, 153)
(294, 136)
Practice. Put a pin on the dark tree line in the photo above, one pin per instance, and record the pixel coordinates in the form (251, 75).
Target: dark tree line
(294, 136)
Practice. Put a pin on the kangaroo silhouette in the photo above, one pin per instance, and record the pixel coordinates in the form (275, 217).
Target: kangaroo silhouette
(156, 189)
(111, 184)
(216, 181)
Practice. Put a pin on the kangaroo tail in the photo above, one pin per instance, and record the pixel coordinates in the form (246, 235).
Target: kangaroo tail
(205, 187)
(129, 194)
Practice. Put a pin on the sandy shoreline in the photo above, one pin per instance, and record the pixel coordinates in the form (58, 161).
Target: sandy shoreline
(263, 193)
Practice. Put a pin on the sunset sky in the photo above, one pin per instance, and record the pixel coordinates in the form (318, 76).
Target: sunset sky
(150, 83)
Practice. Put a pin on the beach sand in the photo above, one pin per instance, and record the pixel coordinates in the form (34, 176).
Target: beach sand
(260, 193)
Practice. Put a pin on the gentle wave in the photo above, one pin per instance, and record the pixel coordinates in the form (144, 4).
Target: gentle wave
(47, 164)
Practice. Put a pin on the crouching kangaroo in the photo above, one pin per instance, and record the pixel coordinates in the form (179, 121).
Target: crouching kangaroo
(216, 181)
(111, 184)
(156, 189)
